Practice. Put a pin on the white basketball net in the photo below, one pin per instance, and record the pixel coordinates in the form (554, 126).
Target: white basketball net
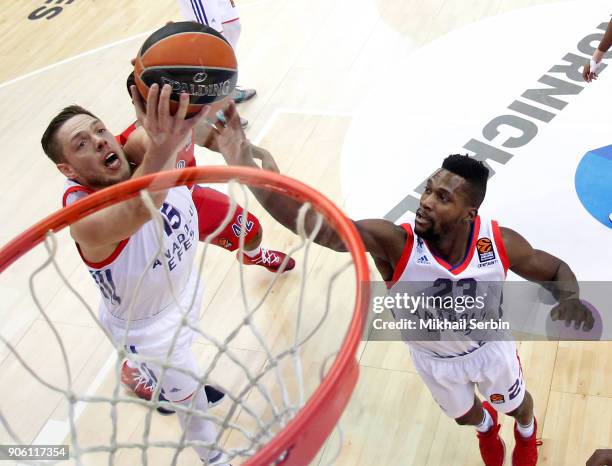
(270, 391)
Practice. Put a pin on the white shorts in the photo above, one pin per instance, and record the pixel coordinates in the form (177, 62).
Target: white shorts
(213, 13)
(495, 368)
(152, 341)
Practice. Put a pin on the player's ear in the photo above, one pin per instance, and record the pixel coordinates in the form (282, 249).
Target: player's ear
(66, 170)
(471, 214)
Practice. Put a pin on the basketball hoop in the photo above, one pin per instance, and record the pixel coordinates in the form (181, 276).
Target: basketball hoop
(298, 442)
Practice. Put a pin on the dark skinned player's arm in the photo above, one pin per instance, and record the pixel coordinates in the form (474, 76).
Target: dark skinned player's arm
(606, 42)
(550, 271)
(384, 240)
(539, 266)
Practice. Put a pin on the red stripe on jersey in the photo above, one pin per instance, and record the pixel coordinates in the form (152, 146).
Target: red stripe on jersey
(109, 259)
(230, 21)
(74, 189)
(501, 247)
(456, 270)
(185, 155)
(403, 261)
(125, 135)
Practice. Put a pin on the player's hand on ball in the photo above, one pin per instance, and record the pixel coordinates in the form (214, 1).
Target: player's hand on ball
(166, 131)
(600, 458)
(572, 310)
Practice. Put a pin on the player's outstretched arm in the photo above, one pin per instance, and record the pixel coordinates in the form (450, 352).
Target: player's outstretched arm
(383, 239)
(539, 266)
(103, 230)
(592, 69)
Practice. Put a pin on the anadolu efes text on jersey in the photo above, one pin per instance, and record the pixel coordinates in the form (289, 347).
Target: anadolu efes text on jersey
(451, 310)
(164, 260)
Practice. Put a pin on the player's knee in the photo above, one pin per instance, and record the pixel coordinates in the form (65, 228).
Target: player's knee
(526, 407)
(472, 417)
(463, 420)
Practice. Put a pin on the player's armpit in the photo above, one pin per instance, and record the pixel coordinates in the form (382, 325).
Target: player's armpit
(383, 239)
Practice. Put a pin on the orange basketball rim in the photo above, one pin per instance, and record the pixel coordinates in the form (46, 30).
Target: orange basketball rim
(300, 440)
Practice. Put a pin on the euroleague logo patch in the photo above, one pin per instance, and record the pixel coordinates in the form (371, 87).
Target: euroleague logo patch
(497, 398)
(484, 246)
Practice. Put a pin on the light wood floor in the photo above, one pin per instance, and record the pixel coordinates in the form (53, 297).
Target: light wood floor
(285, 53)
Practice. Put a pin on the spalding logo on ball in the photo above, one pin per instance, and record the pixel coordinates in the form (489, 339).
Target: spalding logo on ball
(192, 58)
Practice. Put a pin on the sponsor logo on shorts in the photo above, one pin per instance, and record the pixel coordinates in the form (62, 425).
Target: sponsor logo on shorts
(497, 398)
(180, 164)
(484, 246)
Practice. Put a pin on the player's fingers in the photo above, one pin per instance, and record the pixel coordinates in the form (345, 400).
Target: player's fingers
(589, 322)
(163, 105)
(233, 118)
(133, 61)
(181, 112)
(152, 100)
(554, 313)
(198, 117)
(139, 105)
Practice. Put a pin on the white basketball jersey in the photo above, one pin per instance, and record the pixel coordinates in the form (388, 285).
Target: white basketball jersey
(118, 275)
(481, 272)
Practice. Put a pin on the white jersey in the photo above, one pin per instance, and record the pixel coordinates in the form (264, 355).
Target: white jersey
(213, 13)
(117, 276)
(475, 283)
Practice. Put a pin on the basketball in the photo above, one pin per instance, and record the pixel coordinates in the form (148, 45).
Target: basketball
(192, 58)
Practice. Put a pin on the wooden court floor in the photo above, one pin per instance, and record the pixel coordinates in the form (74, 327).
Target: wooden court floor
(307, 92)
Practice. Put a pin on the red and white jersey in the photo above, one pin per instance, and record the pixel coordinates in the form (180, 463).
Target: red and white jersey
(481, 273)
(185, 157)
(117, 276)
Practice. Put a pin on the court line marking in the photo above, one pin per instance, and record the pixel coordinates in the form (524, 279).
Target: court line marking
(98, 49)
(301, 111)
(73, 58)
(56, 432)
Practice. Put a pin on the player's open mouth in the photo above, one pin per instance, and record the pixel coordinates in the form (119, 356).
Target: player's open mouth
(112, 160)
(420, 218)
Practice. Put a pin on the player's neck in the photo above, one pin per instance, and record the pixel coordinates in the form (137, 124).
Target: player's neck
(452, 247)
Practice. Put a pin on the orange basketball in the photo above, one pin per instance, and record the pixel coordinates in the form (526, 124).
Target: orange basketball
(192, 58)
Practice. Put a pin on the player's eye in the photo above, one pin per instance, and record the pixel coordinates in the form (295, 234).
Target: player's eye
(81, 144)
(101, 130)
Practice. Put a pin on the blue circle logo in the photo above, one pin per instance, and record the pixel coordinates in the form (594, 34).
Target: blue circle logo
(594, 184)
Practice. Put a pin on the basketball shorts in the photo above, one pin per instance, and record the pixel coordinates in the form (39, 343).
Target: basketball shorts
(213, 13)
(152, 339)
(495, 369)
(212, 207)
